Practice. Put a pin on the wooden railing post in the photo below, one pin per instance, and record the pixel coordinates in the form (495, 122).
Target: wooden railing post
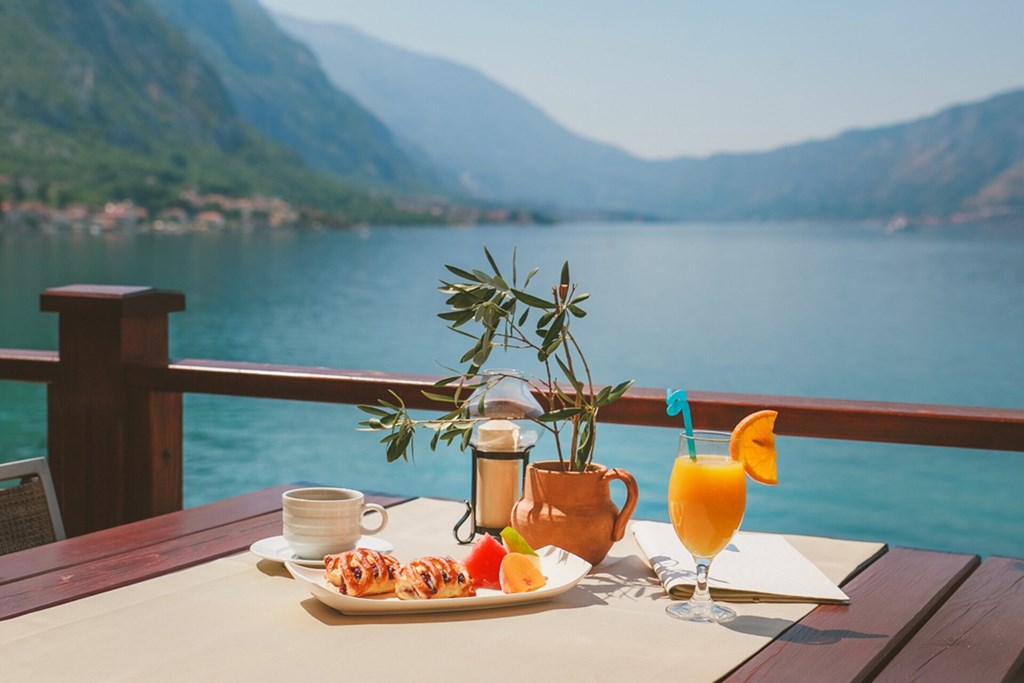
(115, 452)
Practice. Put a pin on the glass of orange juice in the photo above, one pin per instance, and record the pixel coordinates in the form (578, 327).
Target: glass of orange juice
(707, 494)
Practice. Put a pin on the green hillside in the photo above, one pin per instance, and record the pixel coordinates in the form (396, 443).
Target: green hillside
(276, 85)
(103, 100)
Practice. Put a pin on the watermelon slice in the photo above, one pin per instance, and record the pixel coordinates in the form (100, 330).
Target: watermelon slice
(484, 562)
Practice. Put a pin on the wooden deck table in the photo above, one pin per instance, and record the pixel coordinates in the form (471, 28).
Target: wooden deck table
(913, 615)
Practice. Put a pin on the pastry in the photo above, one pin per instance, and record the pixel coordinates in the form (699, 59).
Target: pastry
(433, 577)
(361, 572)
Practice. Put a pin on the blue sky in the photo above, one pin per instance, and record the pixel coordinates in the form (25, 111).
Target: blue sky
(663, 78)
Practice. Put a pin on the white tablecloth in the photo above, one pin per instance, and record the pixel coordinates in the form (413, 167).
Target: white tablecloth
(245, 619)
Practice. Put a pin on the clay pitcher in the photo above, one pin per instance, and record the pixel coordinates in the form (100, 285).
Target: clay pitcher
(573, 510)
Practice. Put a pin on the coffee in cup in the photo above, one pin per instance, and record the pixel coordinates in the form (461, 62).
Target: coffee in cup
(320, 521)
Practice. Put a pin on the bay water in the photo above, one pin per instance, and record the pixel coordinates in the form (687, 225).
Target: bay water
(933, 315)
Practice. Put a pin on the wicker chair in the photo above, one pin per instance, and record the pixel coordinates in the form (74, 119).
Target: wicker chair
(29, 514)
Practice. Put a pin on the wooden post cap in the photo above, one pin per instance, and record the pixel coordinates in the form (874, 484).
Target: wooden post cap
(127, 301)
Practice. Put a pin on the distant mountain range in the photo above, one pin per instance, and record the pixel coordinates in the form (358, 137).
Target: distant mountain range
(967, 159)
(143, 99)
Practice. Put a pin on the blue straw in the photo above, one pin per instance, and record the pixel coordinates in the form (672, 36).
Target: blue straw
(677, 403)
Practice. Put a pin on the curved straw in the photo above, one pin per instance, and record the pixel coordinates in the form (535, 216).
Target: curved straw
(677, 403)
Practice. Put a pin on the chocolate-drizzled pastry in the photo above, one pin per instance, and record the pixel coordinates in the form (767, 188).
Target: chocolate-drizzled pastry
(361, 572)
(433, 577)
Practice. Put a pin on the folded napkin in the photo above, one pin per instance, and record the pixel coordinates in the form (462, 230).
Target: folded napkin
(754, 568)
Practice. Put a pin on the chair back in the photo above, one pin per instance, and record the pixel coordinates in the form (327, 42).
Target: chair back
(29, 514)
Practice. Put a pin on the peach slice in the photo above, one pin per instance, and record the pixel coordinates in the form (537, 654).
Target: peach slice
(518, 574)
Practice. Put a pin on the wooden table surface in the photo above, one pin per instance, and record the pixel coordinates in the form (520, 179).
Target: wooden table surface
(913, 614)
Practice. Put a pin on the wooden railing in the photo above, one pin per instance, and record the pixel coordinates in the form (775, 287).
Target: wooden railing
(114, 404)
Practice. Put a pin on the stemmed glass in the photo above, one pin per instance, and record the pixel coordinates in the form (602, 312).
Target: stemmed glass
(707, 494)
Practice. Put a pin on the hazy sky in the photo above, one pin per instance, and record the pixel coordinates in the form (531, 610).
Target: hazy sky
(665, 78)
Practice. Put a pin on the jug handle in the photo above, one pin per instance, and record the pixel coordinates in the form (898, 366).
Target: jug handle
(632, 496)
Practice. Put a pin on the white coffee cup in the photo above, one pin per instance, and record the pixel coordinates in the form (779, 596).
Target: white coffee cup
(321, 521)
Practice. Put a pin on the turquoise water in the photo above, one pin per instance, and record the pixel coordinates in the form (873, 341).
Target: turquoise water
(840, 311)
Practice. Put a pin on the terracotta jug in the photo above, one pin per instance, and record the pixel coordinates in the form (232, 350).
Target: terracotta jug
(573, 510)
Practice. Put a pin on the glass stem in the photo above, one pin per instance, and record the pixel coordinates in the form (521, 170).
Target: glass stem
(701, 594)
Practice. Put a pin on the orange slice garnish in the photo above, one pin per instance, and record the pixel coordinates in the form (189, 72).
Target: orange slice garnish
(753, 443)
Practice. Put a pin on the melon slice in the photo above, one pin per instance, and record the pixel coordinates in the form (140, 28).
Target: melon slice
(515, 543)
(519, 574)
(484, 562)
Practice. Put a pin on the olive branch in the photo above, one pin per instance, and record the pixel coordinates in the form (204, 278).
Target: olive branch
(501, 313)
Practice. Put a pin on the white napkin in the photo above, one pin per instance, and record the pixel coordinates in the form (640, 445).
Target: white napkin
(754, 568)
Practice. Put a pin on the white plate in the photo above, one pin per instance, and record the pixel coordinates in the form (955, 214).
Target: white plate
(277, 549)
(562, 569)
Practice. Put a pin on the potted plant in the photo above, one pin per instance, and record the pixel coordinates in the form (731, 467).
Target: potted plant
(566, 502)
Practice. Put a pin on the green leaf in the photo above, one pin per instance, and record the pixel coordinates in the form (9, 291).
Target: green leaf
(445, 381)
(576, 384)
(530, 277)
(577, 311)
(490, 259)
(560, 414)
(524, 316)
(561, 392)
(465, 275)
(372, 410)
(565, 273)
(586, 450)
(465, 300)
(450, 435)
(396, 451)
(619, 390)
(581, 298)
(440, 398)
(472, 352)
(482, 355)
(551, 336)
(452, 315)
(531, 300)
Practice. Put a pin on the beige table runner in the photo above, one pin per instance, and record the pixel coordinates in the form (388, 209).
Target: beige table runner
(241, 618)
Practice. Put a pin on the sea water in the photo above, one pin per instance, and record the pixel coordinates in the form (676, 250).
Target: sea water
(933, 315)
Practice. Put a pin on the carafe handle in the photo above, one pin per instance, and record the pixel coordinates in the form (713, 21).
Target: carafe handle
(632, 496)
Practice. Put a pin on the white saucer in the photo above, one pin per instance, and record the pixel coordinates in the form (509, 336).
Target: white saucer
(276, 548)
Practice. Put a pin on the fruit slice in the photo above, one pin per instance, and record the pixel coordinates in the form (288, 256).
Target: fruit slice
(515, 543)
(484, 562)
(753, 443)
(518, 574)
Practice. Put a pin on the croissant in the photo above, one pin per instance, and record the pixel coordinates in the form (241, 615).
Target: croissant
(361, 572)
(433, 577)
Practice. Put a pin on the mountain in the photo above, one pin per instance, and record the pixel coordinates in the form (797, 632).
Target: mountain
(499, 145)
(276, 84)
(103, 100)
(967, 159)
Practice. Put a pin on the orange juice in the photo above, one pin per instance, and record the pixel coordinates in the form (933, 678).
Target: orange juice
(706, 500)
